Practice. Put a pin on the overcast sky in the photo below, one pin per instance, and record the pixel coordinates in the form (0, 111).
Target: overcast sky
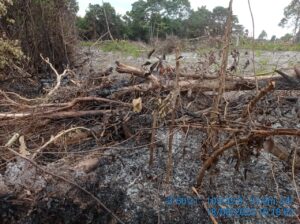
(267, 13)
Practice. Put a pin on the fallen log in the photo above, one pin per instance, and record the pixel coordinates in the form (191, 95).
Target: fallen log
(56, 115)
(184, 85)
(123, 68)
(232, 83)
(290, 80)
(205, 82)
(60, 107)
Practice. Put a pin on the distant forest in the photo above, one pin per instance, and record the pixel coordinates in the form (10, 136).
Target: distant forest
(159, 18)
(155, 19)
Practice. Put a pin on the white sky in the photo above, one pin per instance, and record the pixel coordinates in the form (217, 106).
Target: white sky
(267, 13)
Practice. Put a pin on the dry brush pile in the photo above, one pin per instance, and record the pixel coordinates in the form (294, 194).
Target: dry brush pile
(88, 115)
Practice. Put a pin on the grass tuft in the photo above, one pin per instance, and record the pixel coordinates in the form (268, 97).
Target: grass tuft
(270, 46)
(125, 47)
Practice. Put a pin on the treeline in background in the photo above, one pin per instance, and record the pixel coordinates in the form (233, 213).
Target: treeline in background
(155, 19)
(149, 19)
(52, 28)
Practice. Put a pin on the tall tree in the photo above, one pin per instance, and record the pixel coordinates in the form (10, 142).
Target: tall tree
(219, 15)
(94, 22)
(263, 35)
(287, 37)
(292, 17)
(273, 38)
(137, 21)
(157, 18)
(198, 22)
(178, 9)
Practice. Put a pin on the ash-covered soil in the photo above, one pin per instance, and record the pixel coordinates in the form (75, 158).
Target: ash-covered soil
(265, 61)
(262, 189)
(137, 193)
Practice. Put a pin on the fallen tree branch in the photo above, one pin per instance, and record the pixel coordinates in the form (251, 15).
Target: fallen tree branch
(53, 139)
(213, 219)
(260, 95)
(290, 80)
(123, 68)
(203, 85)
(71, 104)
(213, 157)
(280, 153)
(81, 136)
(58, 76)
(74, 114)
(277, 132)
(254, 134)
(64, 106)
(14, 115)
(55, 114)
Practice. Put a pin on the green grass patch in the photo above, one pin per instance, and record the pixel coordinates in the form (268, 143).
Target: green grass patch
(270, 46)
(86, 43)
(125, 47)
(258, 52)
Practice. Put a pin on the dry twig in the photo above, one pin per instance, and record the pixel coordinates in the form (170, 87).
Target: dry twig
(58, 76)
(171, 129)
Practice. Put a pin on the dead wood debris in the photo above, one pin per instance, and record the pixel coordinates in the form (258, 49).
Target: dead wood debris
(97, 116)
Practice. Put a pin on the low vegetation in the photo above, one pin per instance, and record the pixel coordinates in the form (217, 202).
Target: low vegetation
(126, 47)
(10, 50)
(271, 46)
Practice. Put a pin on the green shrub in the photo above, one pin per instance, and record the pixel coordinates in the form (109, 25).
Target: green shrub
(10, 51)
